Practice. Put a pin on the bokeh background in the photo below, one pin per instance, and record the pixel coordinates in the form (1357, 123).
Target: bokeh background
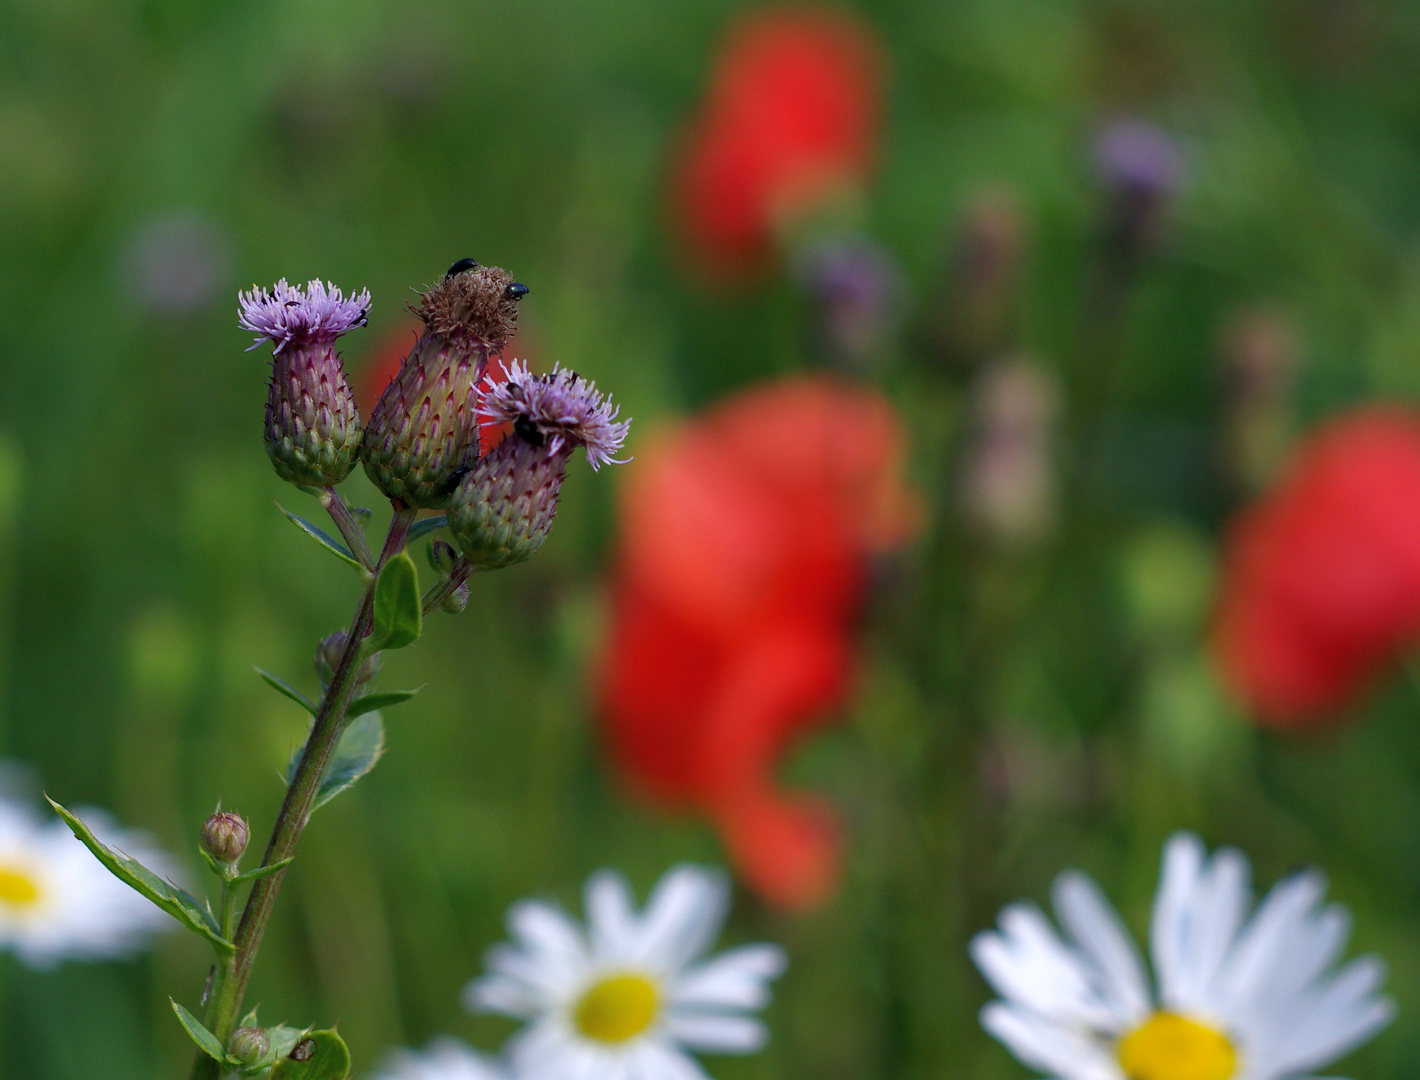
(1023, 704)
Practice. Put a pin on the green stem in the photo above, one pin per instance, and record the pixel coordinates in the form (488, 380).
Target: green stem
(231, 986)
(437, 594)
(349, 528)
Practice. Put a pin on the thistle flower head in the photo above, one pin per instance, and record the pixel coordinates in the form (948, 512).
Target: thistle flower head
(474, 307)
(558, 410)
(318, 313)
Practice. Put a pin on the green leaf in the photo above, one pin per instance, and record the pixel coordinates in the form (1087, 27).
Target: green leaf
(283, 1038)
(263, 871)
(360, 746)
(177, 902)
(205, 1040)
(371, 702)
(398, 606)
(424, 526)
(317, 1055)
(283, 687)
(321, 537)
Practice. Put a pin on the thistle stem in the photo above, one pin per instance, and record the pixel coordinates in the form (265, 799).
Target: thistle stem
(296, 808)
(350, 529)
(437, 594)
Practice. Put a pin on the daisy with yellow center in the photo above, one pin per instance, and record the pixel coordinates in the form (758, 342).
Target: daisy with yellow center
(1239, 996)
(628, 996)
(57, 902)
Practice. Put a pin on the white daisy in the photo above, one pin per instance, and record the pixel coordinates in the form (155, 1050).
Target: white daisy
(445, 1059)
(1238, 998)
(57, 902)
(624, 999)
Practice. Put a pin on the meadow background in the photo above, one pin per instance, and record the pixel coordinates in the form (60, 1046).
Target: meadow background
(1018, 713)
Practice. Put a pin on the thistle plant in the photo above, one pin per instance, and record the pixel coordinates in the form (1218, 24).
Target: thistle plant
(420, 447)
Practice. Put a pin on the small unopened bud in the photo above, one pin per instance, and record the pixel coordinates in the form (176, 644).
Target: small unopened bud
(457, 600)
(423, 433)
(502, 510)
(249, 1045)
(328, 654)
(855, 288)
(312, 426)
(978, 315)
(225, 836)
(1141, 168)
(442, 556)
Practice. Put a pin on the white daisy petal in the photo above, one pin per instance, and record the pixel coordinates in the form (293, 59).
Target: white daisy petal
(1058, 1050)
(1338, 1016)
(718, 1034)
(664, 1061)
(1028, 963)
(500, 994)
(444, 1059)
(1096, 928)
(1168, 938)
(611, 922)
(733, 980)
(545, 929)
(682, 917)
(1270, 933)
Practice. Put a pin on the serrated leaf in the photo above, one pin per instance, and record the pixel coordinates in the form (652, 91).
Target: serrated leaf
(360, 746)
(205, 1040)
(424, 526)
(281, 686)
(370, 702)
(399, 609)
(321, 537)
(317, 1055)
(176, 901)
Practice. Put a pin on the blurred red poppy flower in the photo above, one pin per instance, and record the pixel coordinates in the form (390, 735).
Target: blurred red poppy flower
(743, 553)
(1321, 583)
(790, 120)
(383, 363)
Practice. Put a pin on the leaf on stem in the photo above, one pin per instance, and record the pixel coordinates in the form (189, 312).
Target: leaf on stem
(263, 871)
(360, 746)
(205, 1040)
(282, 687)
(317, 1055)
(321, 537)
(177, 902)
(371, 702)
(399, 610)
(424, 526)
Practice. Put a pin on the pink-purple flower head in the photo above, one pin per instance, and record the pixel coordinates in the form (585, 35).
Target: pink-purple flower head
(557, 410)
(318, 313)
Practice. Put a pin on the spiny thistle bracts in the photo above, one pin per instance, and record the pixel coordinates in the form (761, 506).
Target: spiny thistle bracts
(423, 434)
(502, 511)
(312, 427)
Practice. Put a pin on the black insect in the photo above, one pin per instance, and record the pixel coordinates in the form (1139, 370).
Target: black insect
(303, 1050)
(516, 290)
(460, 266)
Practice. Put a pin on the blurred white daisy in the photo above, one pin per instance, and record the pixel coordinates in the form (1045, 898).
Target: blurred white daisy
(445, 1059)
(624, 999)
(57, 902)
(1238, 998)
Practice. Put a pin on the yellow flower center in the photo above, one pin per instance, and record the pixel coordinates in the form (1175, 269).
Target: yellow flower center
(617, 1008)
(17, 888)
(1171, 1047)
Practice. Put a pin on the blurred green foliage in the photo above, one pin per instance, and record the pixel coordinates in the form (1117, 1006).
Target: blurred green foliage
(1018, 714)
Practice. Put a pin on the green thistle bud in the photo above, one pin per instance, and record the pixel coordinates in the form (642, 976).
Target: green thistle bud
(312, 426)
(502, 510)
(423, 434)
(225, 836)
(457, 600)
(249, 1045)
(328, 658)
(442, 557)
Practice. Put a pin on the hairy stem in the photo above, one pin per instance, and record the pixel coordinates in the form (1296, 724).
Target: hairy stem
(350, 528)
(231, 985)
(437, 594)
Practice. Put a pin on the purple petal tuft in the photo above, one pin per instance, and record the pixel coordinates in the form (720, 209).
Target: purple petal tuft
(563, 407)
(289, 313)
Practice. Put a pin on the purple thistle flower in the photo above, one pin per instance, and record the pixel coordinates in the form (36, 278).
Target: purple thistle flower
(502, 511)
(312, 428)
(1139, 158)
(563, 409)
(318, 314)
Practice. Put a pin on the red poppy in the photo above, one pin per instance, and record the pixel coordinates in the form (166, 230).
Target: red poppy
(744, 543)
(790, 119)
(383, 363)
(1322, 578)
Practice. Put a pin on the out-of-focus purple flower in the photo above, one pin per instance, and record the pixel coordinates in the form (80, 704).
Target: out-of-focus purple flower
(1138, 158)
(856, 288)
(177, 262)
(502, 510)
